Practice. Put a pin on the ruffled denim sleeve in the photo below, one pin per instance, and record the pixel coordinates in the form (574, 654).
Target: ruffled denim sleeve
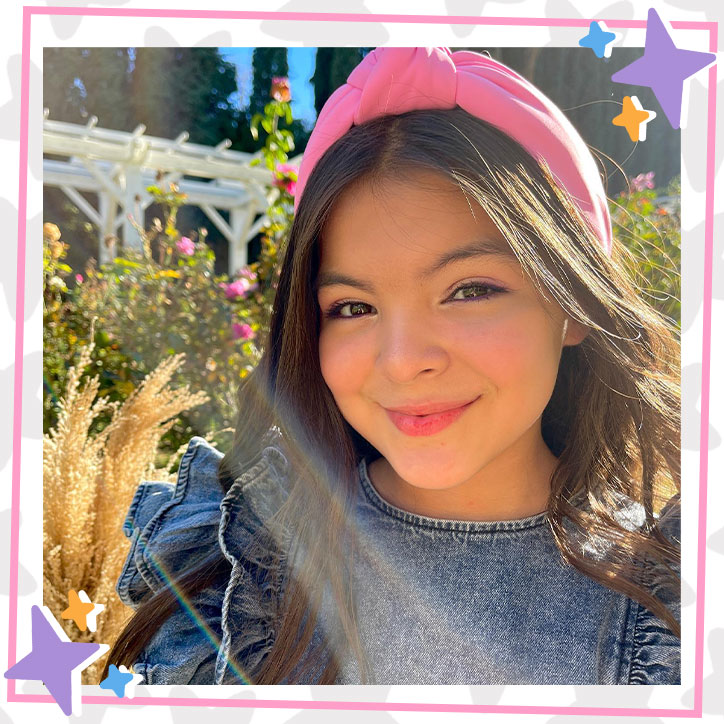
(656, 656)
(173, 528)
(255, 586)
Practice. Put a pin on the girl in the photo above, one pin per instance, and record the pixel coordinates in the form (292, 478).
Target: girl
(458, 459)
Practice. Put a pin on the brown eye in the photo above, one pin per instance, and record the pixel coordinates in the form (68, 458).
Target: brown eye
(474, 291)
(347, 309)
(355, 309)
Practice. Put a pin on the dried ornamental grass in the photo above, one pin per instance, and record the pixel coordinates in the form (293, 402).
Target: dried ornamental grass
(88, 483)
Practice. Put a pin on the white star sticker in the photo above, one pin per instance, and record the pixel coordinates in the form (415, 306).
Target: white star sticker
(130, 690)
(90, 619)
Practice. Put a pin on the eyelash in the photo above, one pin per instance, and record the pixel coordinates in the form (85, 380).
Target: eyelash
(334, 311)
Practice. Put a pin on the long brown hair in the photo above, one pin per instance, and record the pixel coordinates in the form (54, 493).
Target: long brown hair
(613, 419)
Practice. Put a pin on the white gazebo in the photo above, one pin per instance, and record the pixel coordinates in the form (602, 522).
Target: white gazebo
(118, 166)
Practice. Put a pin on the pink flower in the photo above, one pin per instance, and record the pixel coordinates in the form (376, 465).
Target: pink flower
(289, 168)
(237, 288)
(185, 246)
(643, 181)
(247, 273)
(289, 186)
(286, 177)
(79, 278)
(242, 331)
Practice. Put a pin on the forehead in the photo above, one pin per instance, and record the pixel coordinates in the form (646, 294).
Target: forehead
(408, 219)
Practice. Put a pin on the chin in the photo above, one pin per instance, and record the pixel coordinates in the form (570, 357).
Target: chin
(433, 470)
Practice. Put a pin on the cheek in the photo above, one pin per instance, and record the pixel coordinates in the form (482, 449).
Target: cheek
(342, 361)
(512, 354)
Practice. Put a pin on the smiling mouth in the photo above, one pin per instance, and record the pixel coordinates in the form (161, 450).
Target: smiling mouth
(416, 424)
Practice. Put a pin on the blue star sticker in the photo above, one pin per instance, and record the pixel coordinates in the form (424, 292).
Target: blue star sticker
(118, 679)
(599, 39)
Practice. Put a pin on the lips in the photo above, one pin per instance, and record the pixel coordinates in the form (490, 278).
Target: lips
(426, 419)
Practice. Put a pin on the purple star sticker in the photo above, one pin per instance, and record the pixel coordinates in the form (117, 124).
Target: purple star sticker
(55, 660)
(663, 68)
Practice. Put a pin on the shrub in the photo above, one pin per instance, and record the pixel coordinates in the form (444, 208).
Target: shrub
(149, 308)
(648, 222)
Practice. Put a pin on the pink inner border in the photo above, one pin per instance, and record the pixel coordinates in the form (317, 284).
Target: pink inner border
(696, 712)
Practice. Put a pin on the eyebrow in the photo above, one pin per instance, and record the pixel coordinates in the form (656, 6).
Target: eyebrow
(481, 247)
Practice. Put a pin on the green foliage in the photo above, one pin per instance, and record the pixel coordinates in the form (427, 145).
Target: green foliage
(146, 306)
(81, 82)
(184, 89)
(59, 328)
(279, 141)
(274, 153)
(647, 221)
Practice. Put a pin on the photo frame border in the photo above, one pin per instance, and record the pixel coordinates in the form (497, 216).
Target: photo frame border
(708, 26)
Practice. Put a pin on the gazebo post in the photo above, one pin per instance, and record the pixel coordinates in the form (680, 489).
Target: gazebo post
(240, 217)
(132, 194)
(107, 207)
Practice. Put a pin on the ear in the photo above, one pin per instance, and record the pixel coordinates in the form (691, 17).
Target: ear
(573, 332)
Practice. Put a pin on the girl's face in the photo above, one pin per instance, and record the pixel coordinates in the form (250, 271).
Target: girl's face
(435, 346)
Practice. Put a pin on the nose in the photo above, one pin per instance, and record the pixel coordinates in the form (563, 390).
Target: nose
(408, 346)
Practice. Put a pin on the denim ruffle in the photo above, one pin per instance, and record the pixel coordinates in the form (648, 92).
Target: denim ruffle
(253, 590)
(656, 656)
(175, 527)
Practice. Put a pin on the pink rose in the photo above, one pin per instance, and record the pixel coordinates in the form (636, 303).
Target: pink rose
(185, 246)
(242, 331)
(238, 288)
(78, 278)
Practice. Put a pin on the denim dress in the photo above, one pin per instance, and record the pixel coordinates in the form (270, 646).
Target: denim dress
(437, 601)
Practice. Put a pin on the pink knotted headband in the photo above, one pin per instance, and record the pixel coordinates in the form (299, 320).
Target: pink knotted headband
(397, 80)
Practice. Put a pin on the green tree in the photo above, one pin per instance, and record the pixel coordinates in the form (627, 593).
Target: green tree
(169, 90)
(81, 82)
(332, 68)
(183, 89)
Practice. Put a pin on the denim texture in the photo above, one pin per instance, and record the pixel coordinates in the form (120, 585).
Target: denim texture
(438, 601)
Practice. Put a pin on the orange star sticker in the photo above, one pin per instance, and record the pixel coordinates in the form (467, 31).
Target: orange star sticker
(634, 118)
(81, 610)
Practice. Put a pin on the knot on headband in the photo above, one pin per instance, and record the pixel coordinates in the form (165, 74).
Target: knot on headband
(391, 81)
